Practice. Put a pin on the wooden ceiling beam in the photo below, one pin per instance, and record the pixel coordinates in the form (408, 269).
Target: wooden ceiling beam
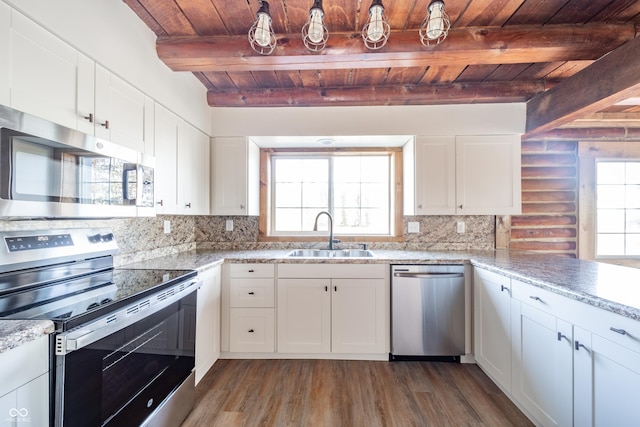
(606, 119)
(611, 79)
(586, 134)
(452, 93)
(465, 46)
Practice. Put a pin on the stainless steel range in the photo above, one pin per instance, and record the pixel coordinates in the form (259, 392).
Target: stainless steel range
(123, 351)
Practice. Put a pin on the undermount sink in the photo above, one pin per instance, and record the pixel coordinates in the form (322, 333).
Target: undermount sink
(325, 253)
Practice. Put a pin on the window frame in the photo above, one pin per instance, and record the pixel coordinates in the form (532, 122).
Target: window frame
(396, 195)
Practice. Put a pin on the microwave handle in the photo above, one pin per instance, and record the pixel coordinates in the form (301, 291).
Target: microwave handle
(128, 167)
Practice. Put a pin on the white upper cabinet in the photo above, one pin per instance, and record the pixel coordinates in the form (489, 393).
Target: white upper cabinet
(463, 175)
(166, 153)
(43, 73)
(193, 170)
(488, 175)
(235, 175)
(5, 49)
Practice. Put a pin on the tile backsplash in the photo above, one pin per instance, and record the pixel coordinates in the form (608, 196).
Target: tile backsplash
(143, 238)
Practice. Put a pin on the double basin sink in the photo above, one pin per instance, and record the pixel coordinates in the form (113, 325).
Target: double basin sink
(335, 253)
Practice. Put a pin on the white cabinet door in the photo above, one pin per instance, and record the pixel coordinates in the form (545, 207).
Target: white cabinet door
(543, 365)
(34, 397)
(488, 175)
(166, 145)
(304, 316)
(43, 73)
(606, 382)
(5, 52)
(208, 322)
(120, 111)
(235, 177)
(193, 170)
(435, 175)
(252, 330)
(492, 325)
(357, 315)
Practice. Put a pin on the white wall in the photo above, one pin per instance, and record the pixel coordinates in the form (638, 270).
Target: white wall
(109, 32)
(473, 119)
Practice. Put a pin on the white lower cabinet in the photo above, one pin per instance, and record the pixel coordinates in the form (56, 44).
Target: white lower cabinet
(208, 322)
(252, 330)
(322, 312)
(492, 325)
(24, 384)
(571, 363)
(542, 365)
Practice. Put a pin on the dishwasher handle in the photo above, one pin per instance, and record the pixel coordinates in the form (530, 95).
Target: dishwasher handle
(429, 275)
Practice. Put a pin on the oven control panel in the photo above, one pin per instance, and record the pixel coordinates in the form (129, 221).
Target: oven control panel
(42, 241)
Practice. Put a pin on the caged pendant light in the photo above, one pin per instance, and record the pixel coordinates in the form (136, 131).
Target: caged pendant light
(261, 35)
(375, 32)
(436, 24)
(314, 32)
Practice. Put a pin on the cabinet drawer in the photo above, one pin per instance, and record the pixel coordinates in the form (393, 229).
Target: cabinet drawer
(542, 299)
(619, 329)
(251, 270)
(252, 330)
(251, 293)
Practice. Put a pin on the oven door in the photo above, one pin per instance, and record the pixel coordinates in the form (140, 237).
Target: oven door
(122, 378)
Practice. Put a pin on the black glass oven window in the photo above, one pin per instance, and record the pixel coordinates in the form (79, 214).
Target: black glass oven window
(122, 378)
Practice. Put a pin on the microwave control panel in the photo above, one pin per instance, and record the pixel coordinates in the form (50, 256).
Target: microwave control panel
(43, 241)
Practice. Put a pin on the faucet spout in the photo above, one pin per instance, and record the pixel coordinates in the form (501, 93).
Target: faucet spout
(315, 228)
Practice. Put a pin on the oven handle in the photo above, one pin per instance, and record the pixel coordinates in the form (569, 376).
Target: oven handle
(83, 336)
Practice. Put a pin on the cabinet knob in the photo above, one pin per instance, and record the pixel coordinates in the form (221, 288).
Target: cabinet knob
(460, 206)
(251, 331)
(578, 345)
(89, 117)
(251, 293)
(161, 203)
(618, 331)
(105, 124)
(241, 207)
(420, 206)
(187, 205)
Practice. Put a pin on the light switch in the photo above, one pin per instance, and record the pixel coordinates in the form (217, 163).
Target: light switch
(167, 227)
(413, 227)
(229, 225)
(461, 227)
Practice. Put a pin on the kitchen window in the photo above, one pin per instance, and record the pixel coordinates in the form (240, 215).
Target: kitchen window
(357, 187)
(618, 208)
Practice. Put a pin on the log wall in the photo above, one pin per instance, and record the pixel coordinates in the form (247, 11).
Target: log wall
(549, 199)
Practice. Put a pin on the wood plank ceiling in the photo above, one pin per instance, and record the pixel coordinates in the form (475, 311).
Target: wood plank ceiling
(496, 51)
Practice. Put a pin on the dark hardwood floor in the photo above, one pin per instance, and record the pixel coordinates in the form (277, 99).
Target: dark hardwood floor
(349, 393)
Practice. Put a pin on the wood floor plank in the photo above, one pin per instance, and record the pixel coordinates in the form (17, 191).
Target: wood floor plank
(337, 393)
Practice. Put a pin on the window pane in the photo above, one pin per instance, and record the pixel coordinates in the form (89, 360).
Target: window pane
(632, 196)
(315, 170)
(288, 170)
(610, 172)
(633, 172)
(633, 244)
(347, 195)
(375, 169)
(610, 244)
(375, 195)
(633, 221)
(288, 219)
(346, 169)
(611, 221)
(315, 196)
(611, 196)
(288, 195)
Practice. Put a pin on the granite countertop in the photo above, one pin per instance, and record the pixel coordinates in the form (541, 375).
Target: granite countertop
(610, 287)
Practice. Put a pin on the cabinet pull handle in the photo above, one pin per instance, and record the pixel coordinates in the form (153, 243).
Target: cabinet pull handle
(250, 271)
(503, 288)
(618, 331)
(420, 206)
(460, 206)
(250, 330)
(535, 298)
(335, 289)
(89, 117)
(161, 203)
(105, 124)
(561, 336)
(578, 345)
(187, 205)
(251, 293)
(241, 207)
(326, 289)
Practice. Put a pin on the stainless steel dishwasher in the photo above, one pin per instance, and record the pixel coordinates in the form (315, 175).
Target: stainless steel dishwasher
(427, 311)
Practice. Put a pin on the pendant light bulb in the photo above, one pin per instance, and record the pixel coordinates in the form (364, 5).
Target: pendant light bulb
(261, 35)
(314, 32)
(376, 31)
(436, 24)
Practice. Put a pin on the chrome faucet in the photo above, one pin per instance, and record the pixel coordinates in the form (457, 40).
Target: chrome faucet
(315, 228)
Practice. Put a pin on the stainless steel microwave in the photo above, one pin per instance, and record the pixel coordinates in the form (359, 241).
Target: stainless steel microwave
(50, 171)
